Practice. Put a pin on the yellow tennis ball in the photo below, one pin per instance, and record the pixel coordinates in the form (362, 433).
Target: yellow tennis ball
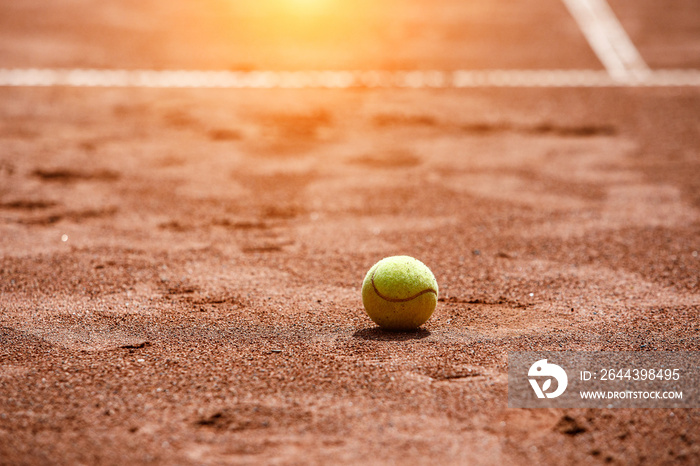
(399, 293)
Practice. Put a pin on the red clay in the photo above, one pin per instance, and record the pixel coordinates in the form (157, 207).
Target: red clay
(180, 270)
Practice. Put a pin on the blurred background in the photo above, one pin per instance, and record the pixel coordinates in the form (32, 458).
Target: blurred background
(291, 34)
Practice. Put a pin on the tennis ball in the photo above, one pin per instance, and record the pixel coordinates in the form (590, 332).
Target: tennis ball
(399, 293)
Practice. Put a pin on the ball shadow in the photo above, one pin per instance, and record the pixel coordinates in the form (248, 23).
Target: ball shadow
(378, 334)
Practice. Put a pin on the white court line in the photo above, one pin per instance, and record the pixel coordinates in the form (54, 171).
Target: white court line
(48, 77)
(608, 39)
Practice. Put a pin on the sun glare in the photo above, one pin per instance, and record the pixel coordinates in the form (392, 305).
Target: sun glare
(306, 3)
(306, 6)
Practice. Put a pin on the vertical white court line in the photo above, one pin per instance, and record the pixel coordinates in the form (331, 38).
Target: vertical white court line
(608, 39)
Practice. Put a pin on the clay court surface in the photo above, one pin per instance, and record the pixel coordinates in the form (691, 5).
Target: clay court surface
(180, 269)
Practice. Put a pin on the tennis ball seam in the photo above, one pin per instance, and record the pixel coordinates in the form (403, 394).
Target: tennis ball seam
(399, 300)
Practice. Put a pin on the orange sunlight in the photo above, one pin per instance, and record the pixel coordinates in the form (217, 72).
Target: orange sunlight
(306, 4)
(307, 7)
